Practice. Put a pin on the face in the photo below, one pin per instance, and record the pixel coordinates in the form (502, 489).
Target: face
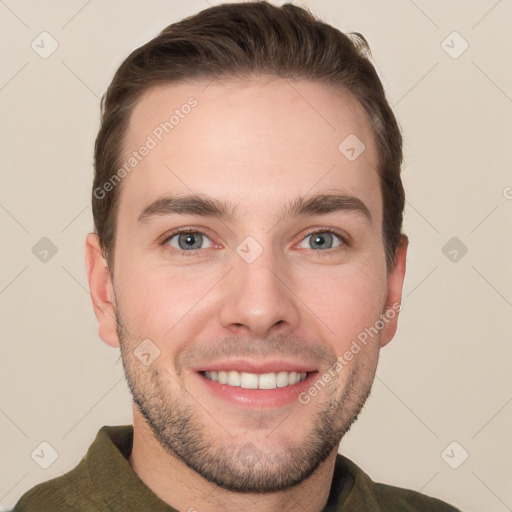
(249, 259)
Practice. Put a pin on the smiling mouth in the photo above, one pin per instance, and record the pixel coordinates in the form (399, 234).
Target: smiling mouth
(256, 380)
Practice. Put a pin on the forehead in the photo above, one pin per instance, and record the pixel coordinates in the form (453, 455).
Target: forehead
(260, 139)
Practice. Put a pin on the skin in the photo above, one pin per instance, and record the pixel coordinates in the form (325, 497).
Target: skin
(256, 145)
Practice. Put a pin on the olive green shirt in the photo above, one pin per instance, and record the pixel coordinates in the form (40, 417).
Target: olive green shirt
(104, 481)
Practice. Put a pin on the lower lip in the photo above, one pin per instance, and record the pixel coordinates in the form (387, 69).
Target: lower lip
(258, 398)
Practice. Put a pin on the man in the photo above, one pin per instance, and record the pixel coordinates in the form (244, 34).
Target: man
(248, 261)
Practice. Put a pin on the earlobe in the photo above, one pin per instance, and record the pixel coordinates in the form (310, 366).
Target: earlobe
(101, 289)
(394, 296)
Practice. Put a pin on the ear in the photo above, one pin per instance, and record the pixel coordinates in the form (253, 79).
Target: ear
(102, 291)
(394, 296)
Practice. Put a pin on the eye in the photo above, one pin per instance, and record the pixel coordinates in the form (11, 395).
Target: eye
(188, 241)
(323, 240)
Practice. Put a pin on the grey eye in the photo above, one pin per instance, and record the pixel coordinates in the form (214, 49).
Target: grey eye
(322, 240)
(189, 241)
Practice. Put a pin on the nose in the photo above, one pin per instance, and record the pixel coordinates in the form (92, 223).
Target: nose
(259, 298)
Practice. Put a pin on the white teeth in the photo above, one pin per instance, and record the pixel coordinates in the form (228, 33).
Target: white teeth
(282, 379)
(267, 381)
(233, 379)
(256, 381)
(249, 380)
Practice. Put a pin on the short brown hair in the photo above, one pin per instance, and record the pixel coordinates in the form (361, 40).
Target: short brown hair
(240, 40)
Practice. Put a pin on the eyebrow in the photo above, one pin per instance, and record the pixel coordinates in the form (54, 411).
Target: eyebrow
(205, 206)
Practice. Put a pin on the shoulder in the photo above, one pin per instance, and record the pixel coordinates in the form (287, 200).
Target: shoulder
(400, 499)
(61, 494)
(77, 490)
(365, 494)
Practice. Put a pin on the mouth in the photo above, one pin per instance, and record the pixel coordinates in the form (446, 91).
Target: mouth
(247, 380)
(260, 385)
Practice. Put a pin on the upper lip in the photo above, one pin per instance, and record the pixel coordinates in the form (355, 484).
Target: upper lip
(252, 366)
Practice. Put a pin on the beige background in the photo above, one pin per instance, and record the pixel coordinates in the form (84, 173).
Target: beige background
(446, 375)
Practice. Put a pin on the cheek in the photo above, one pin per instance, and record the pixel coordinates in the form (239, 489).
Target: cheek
(157, 300)
(346, 301)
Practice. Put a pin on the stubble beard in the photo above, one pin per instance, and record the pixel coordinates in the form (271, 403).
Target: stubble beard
(243, 467)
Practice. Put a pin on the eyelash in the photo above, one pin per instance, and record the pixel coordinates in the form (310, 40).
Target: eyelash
(343, 238)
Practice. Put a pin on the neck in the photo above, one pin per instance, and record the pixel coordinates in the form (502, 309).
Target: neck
(182, 488)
